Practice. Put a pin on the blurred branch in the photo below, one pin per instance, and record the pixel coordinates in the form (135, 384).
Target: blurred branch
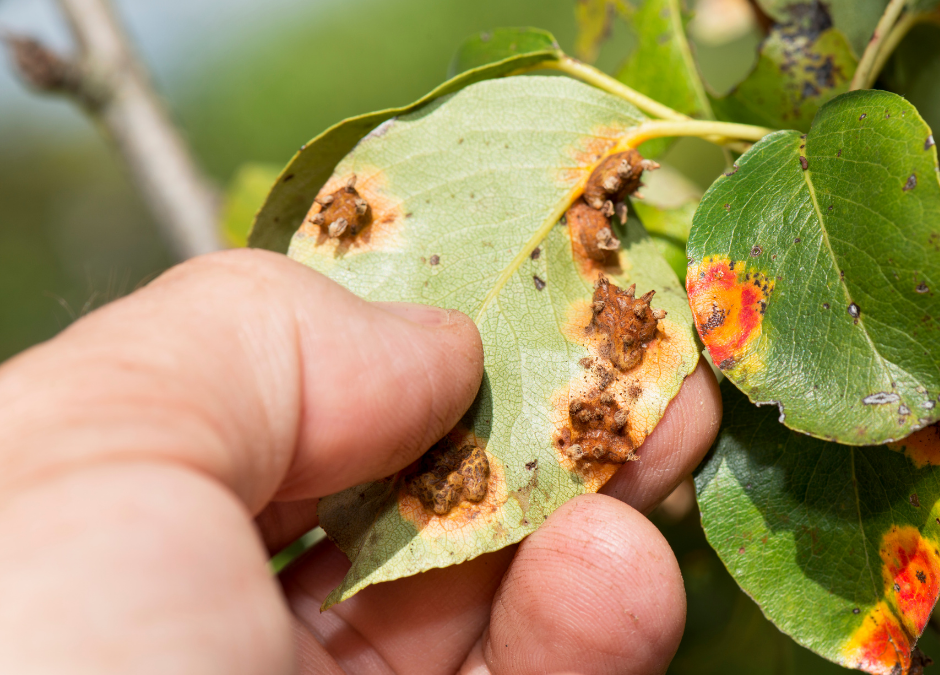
(108, 81)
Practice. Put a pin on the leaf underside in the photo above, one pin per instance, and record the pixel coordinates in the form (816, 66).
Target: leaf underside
(465, 194)
(815, 277)
(837, 544)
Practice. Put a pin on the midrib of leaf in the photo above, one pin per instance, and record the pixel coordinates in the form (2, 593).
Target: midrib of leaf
(861, 526)
(675, 17)
(526, 250)
(807, 178)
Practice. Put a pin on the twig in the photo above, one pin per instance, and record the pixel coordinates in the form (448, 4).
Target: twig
(894, 37)
(109, 83)
(867, 62)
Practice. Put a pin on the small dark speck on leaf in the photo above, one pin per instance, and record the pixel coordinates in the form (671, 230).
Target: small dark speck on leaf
(842, 274)
(862, 116)
(539, 284)
(915, 500)
(897, 587)
(796, 241)
(804, 163)
(288, 177)
(854, 311)
(921, 576)
(839, 154)
(911, 183)
(756, 251)
(929, 142)
(830, 208)
(531, 465)
(741, 550)
(856, 610)
(536, 253)
(728, 208)
(734, 170)
(435, 259)
(459, 141)
(825, 305)
(921, 287)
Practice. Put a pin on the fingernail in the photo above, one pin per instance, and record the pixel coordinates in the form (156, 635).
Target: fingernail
(426, 315)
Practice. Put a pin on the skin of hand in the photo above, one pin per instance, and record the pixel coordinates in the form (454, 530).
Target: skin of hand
(154, 454)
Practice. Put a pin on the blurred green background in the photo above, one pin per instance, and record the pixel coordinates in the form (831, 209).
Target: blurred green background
(250, 81)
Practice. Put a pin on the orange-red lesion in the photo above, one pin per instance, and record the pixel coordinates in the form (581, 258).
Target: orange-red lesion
(922, 447)
(911, 575)
(880, 645)
(728, 302)
(911, 571)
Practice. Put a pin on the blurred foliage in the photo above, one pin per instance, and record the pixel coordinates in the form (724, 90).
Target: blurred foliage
(243, 197)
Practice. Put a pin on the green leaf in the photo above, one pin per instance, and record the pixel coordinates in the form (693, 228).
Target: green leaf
(595, 19)
(501, 44)
(815, 276)
(798, 70)
(669, 203)
(243, 199)
(837, 544)
(662, 67)
(465, 196)
(299, 182)
(856, 19)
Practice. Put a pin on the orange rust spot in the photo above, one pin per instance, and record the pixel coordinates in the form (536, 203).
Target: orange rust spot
(467, 516)
(922, 447)
(640, 393)
(383, 222)
(911, 573)
(728, 304)
(590, 151)
(880, 645)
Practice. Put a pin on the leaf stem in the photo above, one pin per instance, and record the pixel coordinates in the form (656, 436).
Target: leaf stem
(867, 62)
(602, 80)
(725, 134)
(893, 39)
(697, 128)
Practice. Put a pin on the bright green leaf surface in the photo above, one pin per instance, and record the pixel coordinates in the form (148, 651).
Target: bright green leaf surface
(666, 211)
(815, 272)
(244, 198)
(856, 19)
(837, 544)
(466, 194)
(798, 70)
(501, 44)
(594, 19)
(662, 67)
(298, 184)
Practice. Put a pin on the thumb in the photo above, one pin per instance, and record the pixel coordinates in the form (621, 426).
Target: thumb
(247, 367)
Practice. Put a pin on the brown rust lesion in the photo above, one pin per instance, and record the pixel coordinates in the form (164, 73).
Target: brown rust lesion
(622, 322)
(342, 213)
(589, 219)
(449, 474)
(596, 426)
(353, 212)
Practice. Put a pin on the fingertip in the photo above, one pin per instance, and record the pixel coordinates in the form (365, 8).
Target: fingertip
(596, 589)
(677, 445)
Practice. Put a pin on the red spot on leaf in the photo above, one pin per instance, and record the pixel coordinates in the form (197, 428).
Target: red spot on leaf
(728, 302)
(911, 574)
(880, 646)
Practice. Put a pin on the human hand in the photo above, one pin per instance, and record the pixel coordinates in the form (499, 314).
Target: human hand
(155, 453)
